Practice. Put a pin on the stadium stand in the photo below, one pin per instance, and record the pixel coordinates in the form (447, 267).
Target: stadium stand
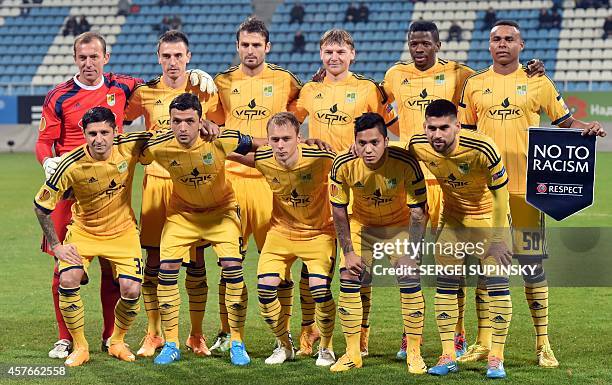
(575, 54)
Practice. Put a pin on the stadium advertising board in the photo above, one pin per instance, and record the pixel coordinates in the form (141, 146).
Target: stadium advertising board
(560, 171)
(590, 105)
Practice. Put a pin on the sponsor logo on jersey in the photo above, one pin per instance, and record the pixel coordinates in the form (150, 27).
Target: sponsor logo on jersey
(319, 96)
(378, 199)
(92, 180)
(505, 111)
(452, 181)
(405, 82)
(487, 91)
(498, 319)
(158, 102)
(235, 91)
(296, 199)
(358, 185)
(421, 101)
(443, 316)
(416, 314)
(110, 99)
(332, 116)
(174, 163)
(195, 178)
(251, 112)
(275, 181)
(113, 188)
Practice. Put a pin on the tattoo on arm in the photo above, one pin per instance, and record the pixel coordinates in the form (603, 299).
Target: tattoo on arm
(47, 227)
(418, 222)
(343, 230)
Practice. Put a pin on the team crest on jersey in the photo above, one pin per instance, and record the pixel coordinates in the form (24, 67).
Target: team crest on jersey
(122, 167)
(208, 159)
(521, 89)
(110, 99)
(439, 79)
(268, 90)
(306, 177)
(391, 183)
(44, 195)
(351, 97)
(452, 181)
(464, 168)
(43, 124)
(505, 111)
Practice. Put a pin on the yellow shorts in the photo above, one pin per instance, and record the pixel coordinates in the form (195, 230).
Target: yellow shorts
(185, 229)
(365, 239)
(122, 251)
(463, 236)
(279, 253)
(156, 192)
(528, 229)
(254, 197)
(434, 204)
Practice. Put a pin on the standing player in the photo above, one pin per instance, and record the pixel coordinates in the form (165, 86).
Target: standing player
(388, 195)
(413, 85)
(152, 100)
(301, 228)
(249, 94)
(99, 175)
(202, 207)
(473, 181)
(332, 106)
(502, 102)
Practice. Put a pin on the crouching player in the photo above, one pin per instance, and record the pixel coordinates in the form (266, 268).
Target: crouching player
(301, 227)
(473, 179)
(389, 194)
(99, 175)
(202, 208)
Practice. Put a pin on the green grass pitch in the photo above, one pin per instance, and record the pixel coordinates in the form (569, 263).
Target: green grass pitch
(579, 318)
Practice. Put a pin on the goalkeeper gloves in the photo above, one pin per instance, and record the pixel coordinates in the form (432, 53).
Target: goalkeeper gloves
(204, 80)
(50, 165)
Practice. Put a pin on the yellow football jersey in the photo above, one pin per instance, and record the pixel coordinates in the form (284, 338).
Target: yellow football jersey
(247, 102)
(467, 174)
(381, 197)
(503, 107)
(414, 89)
(198, 173)
(300, 206)
(102, 189)
(334, 106)
(152, 100)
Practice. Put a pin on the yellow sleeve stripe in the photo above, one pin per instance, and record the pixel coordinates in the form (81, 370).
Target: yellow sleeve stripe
(486, 146)
(64, 165)
(339, 161)
(161, 139)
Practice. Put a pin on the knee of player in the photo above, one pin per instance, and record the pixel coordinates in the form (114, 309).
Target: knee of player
(230, 262)
(71, 278)
(129, 288)
(321, 293)
(266, 294)
(347, 275)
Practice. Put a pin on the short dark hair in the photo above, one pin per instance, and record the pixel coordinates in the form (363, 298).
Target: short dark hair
(284, 118)
(425, 26)
(441, 107)
(98, 114)
(510, 23)
(185, 102)
(173, 36)
(253, 25)
(88, 37)
(370, 120)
